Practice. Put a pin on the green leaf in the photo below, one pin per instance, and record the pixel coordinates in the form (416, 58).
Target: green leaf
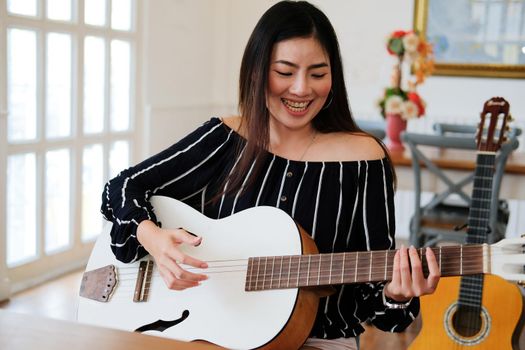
(396, 45)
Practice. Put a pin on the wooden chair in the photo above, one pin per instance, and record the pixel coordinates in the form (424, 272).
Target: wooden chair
(444, 217)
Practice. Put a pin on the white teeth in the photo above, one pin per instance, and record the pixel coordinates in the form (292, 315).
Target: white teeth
(296, 106)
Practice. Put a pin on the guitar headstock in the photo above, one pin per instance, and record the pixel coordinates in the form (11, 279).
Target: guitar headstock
(493, 127)
(507, 259)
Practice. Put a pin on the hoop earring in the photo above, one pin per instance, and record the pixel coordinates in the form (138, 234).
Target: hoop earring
(330, 101)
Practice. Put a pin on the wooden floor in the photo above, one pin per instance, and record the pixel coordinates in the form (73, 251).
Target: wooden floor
(58, 299)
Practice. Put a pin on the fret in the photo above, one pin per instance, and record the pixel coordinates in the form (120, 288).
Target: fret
(248, 285)
(280, 273)
(319, 270)
(469, 303)
(363, 268)
(370, 268)
(386, 265)
(356, 263)
(264, 273)
(289, 271)
(461, 260)
(343, 268)
(272, 276)
(483, 200)
(479, 209)
(308, 270)
(480, 228)
(257, 275)
(330, 269)
(298, 270)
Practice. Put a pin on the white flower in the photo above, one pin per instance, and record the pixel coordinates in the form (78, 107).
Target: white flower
(409, 110)
(410, 43)
(394, 104)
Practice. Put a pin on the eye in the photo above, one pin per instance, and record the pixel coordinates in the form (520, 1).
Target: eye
(284, 74)
(318, 76)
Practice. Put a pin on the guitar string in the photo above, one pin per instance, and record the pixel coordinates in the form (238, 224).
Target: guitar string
(468, 264)
(263, 281)
(468, 259)
(469, 294)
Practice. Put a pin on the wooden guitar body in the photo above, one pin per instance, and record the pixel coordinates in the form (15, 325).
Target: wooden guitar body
(501, 326)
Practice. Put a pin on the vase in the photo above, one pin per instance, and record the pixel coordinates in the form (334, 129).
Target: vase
(394, 126)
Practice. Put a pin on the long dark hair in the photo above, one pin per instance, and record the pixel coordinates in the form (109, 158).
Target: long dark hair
(285, 20)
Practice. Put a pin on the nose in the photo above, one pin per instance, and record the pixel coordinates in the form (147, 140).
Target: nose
(300, 86)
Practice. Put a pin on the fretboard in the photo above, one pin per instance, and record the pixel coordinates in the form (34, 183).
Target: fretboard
(471, 287)
(479, 213)
(293, 271)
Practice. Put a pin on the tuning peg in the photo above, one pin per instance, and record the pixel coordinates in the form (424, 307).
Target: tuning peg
(510, 118)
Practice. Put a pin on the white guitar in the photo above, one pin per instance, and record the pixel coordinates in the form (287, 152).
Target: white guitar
(259, 263)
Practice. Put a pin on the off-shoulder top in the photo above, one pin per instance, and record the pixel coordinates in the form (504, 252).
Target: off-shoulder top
(344, 205)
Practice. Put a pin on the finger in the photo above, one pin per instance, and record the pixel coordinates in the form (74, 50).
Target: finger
(170, 264)
(433, 269)
(184, 236)
(395, 283)
(404, 265)
(184, 259)
(396, 274)
(172, 282)
(418, 280)
(186, 275)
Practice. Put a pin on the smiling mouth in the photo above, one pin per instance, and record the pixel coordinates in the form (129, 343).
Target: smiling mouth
(296, 106)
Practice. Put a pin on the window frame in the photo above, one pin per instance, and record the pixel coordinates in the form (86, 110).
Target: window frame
(45, 266)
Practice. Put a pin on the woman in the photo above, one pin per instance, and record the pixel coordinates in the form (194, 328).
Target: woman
(295, 146)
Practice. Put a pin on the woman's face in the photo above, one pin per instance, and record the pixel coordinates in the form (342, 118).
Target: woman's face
(299, 82)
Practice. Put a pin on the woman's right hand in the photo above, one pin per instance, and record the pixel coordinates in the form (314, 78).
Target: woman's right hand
(163, 245)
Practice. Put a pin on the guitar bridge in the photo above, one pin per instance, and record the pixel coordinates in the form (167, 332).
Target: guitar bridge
(99, 284)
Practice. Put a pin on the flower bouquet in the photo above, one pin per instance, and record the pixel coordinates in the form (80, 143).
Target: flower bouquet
(405, 103)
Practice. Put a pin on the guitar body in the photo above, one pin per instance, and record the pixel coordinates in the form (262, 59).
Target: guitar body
(218, 311)
(502, 317)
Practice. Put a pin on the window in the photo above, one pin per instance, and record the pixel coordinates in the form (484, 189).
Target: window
(69, 111)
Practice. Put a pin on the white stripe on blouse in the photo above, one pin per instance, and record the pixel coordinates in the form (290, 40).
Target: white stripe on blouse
(314, 224)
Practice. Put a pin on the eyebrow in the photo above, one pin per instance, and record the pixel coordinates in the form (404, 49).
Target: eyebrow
(291, 64)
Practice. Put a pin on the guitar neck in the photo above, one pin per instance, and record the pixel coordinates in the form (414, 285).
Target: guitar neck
(293, 271)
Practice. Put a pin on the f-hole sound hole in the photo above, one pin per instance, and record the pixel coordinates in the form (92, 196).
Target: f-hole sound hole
(467, 321)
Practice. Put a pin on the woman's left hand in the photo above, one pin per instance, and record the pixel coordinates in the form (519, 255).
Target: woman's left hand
(408, 280)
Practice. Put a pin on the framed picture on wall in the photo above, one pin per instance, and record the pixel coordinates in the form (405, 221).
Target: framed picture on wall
(479, 38)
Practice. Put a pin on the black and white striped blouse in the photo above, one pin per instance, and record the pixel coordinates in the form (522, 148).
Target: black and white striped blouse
(345, 206)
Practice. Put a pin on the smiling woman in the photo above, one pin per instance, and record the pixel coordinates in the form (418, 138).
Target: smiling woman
(294, 146)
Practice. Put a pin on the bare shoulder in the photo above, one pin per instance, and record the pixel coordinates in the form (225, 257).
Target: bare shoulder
(345, 146)
(232, 121)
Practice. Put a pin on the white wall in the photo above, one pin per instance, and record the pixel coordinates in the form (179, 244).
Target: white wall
(194, 50)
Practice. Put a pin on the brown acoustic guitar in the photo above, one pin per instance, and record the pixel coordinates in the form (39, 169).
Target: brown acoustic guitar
(476, 311)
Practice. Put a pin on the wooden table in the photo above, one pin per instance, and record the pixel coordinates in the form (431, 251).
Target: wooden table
(22, 332)
(455, 159)
(459, 161)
